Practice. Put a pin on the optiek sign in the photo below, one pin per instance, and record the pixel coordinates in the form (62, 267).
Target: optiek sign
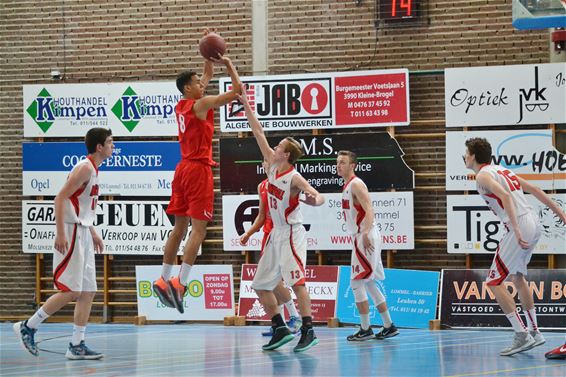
(129, 109)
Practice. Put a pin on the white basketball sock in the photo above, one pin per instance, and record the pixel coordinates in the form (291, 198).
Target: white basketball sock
(78, 335)
(531, 319)
(290, 305)
(184, 273)
(516, 322)
(166, 271)
(37, 319)
(364, 321)
(386, 318)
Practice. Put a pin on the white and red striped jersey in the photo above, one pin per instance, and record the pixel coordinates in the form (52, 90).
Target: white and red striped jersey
(508, 180)
(80, 208)
(283, 208)
(353, 213)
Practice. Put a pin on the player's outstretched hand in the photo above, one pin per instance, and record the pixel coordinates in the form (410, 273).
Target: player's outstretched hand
(221, 59)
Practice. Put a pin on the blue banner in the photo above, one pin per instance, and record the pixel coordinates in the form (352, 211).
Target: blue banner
(143, 168)
(411, 298)
(127, 156)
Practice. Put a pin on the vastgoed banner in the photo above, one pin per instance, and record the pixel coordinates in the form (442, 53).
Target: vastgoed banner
(466, 300)
(380, 162)
(321, 283)
(322, 100)
(324, 224)
(474, 229)
(505, 95)
(133, 228)
(128, 108)
(209, 296)
(143, 168)
(411, 298)
(529, 154)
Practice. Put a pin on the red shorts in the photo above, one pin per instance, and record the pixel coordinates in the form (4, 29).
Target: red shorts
(193, 191)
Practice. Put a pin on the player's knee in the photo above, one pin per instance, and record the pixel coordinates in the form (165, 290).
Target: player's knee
(74, 295)
(359, 290)
(86, 296)
(374, 292)
(178, 232)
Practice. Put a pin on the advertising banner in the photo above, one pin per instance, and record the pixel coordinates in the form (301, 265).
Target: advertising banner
(380, 162)
(529, 154)
(466, 300)
(322, 100)
(132, 228)
(474, 229)
(128, 108)
(209, 296)
(321, 283)
(411, 298)
(505, 95)
(324, 224)
(142, 168)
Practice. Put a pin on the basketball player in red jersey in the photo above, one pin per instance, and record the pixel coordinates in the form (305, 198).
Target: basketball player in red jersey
(193, 196)
(76, 241)
(286, 250)
(503, 192)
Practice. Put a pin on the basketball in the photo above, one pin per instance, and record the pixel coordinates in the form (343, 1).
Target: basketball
(211, 45)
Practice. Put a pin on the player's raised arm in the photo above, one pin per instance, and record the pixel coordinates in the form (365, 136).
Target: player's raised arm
(206, 103)
(257, 129)
(208, 67)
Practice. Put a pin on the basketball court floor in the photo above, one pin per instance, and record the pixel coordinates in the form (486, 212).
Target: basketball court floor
(198, 350)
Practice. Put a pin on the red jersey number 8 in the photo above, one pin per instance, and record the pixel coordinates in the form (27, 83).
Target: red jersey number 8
(181, 122)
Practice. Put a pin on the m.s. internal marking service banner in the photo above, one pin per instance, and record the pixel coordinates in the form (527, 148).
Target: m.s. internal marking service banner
(128, 108)
(324, 224)
(466, 301)
(380, 162)
(529, 154)
(323, 100)
(505, 95)
(474, 229)
(133, 228)
(134, 169)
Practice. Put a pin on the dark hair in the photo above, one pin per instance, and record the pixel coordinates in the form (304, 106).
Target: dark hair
(96, 136)
(295, 150)
(480, 148)
(351, 155)
(183, 79)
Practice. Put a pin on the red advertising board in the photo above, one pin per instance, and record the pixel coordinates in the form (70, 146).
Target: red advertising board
(217, 291)
(376, 98)
(371, 99)
(322, 285)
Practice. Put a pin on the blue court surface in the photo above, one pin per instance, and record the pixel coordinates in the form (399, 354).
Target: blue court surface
(215, 350)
